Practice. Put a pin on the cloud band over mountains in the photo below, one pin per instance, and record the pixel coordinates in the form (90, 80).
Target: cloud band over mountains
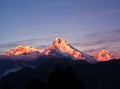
(109, 40)
(92, 42)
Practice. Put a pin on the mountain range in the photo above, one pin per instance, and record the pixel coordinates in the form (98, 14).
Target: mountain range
(23, 64)
(60, 48)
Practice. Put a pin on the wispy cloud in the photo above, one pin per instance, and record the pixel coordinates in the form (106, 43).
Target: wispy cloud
(109, 40)
(91, 42)
(38, 43)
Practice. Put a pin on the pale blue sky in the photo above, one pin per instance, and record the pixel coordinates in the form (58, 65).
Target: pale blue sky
(73, 20)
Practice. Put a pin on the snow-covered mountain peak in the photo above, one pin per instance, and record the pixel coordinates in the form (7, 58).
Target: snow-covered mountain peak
(61, 47)
(103, 52)
(59, 42)
(104, 55)
(21, 50)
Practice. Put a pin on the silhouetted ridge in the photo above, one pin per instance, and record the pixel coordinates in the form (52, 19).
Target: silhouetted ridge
(59, 79)
(35, 84)
(8, 85)
(64, 79)
(103, 75)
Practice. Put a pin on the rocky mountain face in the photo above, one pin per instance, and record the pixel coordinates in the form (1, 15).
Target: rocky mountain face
(60, 48)
(103, 55)
(21, 50)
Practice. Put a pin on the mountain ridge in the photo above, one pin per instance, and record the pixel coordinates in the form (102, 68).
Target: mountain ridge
(21, 50)
(61, 48)
(103, 55)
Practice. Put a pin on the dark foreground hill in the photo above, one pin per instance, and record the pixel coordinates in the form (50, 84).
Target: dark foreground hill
(65, 74)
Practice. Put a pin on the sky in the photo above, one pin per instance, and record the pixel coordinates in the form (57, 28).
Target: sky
(88, 25)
